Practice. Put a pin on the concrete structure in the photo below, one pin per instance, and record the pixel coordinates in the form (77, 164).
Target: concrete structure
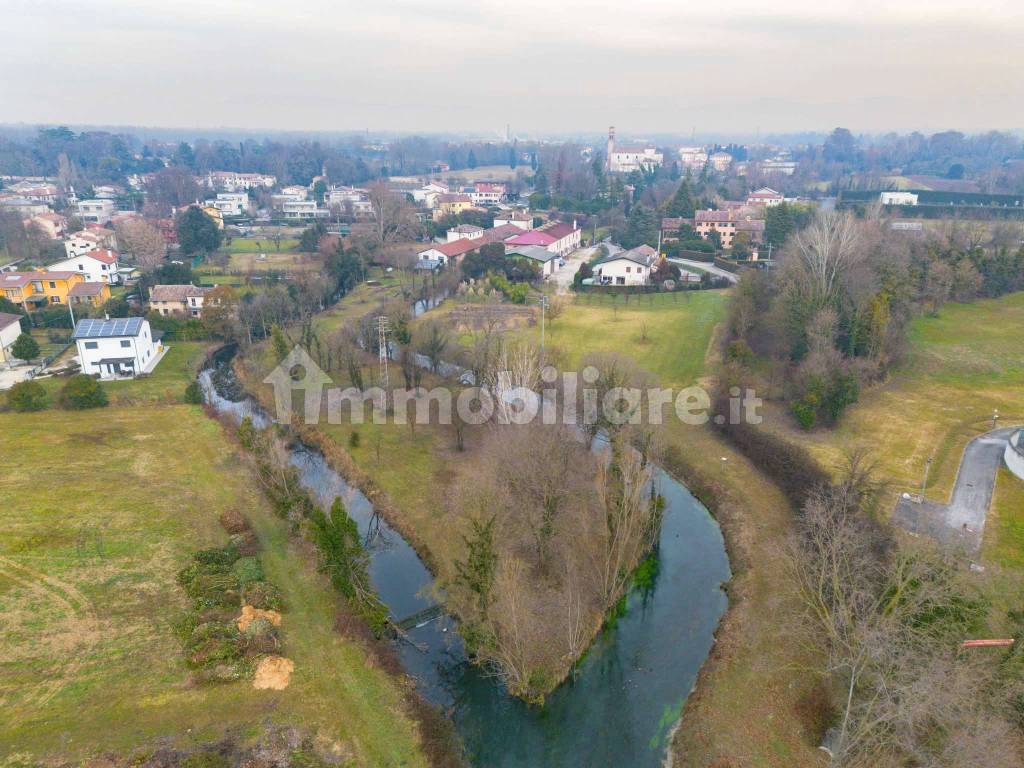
(898, 198)
(629, 159)
(632, 267)
(117, 349)
(1014, 454)
(10, 330)
(184, 300)
(97, 211)
(303, 210)
(96, 266)
(765, 196)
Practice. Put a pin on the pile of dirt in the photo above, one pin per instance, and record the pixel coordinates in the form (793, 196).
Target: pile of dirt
(273, 673)
(250, 614)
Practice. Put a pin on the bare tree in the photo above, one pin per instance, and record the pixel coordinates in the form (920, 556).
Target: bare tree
(826, 250)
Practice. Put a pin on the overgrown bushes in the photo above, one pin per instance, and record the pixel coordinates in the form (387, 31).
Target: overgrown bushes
(220, 581)
(82, 392)
(26, 396)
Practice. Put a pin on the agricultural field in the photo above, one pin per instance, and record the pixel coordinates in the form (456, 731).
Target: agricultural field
(487, 173)
(260, 244)
(101, 510)
(272, 261)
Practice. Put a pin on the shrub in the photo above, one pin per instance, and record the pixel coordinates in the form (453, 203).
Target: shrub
(25, 348)
(213, 643)
(262, 595)
(82, 392)
(353, 439)
(232, 521)
(27, 396)
(247, 570)
(194, 393)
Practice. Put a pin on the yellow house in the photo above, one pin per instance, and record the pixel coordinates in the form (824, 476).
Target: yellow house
(452, 205)
(94, 294)
(36, 290)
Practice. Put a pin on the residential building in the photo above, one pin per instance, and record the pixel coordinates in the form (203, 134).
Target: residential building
(445, 253)
(632, 267)
(36, 290)
(23, 207)
(350, 201)
(232, 181)
(567, 237)
(898, 198)
(728, 224)
(777, 167)
(230, 203)
(720, 161)
(96, 210)
(694, 158)
(517, 217)
(487, 193)
(303, 210)
(184, 300)
(452, 205)
(88, 240)
(542, 257)
(52, 224)
(93, 294)
(116, 349)
(40, 193)
(629, 159)
(10, 330)
(96, 266)
(671, 225)
(765, 196)
(464, 232)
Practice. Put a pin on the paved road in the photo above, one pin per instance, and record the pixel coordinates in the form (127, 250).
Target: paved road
(11, 376)
(562, 277)
(963, 519)
(703, 266)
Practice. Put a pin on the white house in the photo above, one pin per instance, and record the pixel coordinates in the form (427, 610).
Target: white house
(96, 266)
(464, 232)
(898, 198)
(10, 330)
(693, 157)
(628, 159)
(233, 182)
(487, 193)
(303, 210)
(517, 217)
(632, 267)
(116, 349)
(230, 203)
(765, 196)
(98, 211)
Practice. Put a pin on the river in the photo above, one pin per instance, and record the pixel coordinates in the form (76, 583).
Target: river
(631, 686)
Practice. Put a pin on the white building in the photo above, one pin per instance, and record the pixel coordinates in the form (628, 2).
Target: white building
(629, 159)
(85, 241)
(765, 196)
(464, 232)
(898, 198)
(517, 218)
(235, 182)
(720, 161)
(182, 300)
(117, 349)
(96, 266)
(694, 158)
(303, 210)
(10, 330)
(632, 267)
(487, 193)
(98, 211)
(230, 203)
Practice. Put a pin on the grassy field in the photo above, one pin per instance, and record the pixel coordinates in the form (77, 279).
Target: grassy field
(274, 262)
(487, 173)
(1004, 529)
(264, 244)
(100, 511)
(960, 367)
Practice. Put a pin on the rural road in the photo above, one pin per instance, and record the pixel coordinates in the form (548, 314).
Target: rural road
(703, 266)
(562, 277)
(963, 519)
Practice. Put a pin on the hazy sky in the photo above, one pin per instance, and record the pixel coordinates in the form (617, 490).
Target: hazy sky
(540, 65)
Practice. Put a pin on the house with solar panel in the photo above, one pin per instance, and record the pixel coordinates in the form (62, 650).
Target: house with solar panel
(122, 348)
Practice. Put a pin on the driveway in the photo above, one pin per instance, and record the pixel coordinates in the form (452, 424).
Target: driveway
(11, 376)
(562, 277)
(703, 266)
(963, 519)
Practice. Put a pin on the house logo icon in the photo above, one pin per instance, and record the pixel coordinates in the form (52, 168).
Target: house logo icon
(298, 373)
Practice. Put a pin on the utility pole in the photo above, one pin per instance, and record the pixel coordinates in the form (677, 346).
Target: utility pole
(543, 311)
(924, 483)
(382, 343)
(995, 418)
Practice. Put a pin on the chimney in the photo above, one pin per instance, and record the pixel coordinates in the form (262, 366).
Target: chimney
(574, 225)
(106, 315)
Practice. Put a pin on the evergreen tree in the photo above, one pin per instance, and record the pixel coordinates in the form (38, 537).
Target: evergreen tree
(471, 160)
(197, 232)
(681, 204)
(25, 348)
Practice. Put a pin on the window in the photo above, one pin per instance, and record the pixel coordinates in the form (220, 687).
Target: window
(125, 343)
(53, 284)
(92, 345)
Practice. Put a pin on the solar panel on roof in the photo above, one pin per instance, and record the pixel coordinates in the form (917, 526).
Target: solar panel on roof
(97, 329)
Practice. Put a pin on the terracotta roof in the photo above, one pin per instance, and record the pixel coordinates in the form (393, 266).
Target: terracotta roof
(514, 216)
(504, 232)
(489, 186)
(176, 292)
(458, 247)
(466, 228)
(454, 198)
(21, 279)
(105, 255)
(7, 320)
(87, 289)
(558, 230)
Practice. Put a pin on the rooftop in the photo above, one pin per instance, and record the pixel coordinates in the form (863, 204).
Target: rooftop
(108, 329)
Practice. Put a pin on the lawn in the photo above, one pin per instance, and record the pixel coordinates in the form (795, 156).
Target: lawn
(166, 384)
(271, 261)
(1004, 529)
(668, 337)
(101, 510)
(264, 244)
(960, 367)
